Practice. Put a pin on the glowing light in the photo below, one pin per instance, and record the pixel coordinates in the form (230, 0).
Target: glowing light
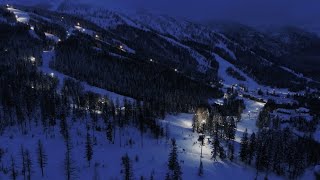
(32, 59)
(151, 60)
(32, 28)
(59, 40)
(78, 24)
(97, 36)
(121, 47)
(176, 70)
(52, 74)
(32, 87)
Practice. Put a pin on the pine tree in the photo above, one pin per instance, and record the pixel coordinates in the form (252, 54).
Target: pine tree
(24, 164)
(109, 132)
(13, 170)
(244, 147)
(231, 129)
(215, 146)
(222, 154)
(63, 127)
(173, 164)
(252, 147)
(127, 168)
(42, 157)
(68, 161)
(89, 151)
(28, 164)
(230, 151)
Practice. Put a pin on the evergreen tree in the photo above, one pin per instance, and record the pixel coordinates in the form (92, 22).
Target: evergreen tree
(28, 164)
(63, 127)
(68, 161)
(173, 164)
(24, 164)
(244, 147)
(252, 147)
(231, 129)
(13, 171)
(89, 151)
(42, 157)
(230, 151)
(109, 132)
(215, 146)
(127, 168)
(222, 154)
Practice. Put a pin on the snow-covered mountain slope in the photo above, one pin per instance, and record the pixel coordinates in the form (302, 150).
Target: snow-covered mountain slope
(230, 41)
(248, 52)
(128, 81)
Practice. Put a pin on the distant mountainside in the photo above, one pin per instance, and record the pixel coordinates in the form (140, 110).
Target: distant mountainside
(287, 58)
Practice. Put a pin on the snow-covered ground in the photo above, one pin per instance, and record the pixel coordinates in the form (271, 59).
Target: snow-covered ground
(224, 47)
(249, 83)
(228, 80)
(203, 63)
(152, 156)
(249, 118)
(52, 37)
(20, 16)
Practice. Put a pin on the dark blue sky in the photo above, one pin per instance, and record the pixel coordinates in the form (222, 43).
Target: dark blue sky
(254, 12)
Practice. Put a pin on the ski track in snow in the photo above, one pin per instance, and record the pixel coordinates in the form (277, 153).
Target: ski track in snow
(180, 129)
(251, 84)
(203, 64)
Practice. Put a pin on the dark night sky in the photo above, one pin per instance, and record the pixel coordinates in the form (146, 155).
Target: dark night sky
(255, 12)
(252, 12)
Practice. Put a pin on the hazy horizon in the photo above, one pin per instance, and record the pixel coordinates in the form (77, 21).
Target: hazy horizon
(250, 12)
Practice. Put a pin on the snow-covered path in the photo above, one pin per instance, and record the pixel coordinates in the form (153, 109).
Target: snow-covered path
(228, 80)
(249, 118)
